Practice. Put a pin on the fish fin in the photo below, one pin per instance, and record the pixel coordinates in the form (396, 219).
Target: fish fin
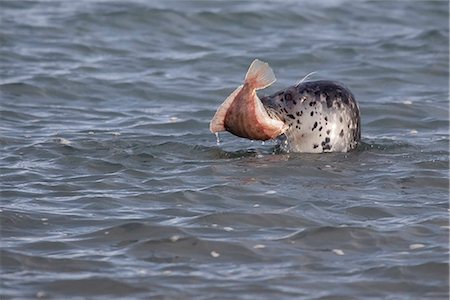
(259, 75)
(218, 121)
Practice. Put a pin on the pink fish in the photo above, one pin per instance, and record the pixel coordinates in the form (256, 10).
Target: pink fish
(243, 113)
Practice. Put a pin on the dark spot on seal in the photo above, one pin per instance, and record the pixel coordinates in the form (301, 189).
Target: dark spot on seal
(317, 96)
(312, 113)
(291, 116)
(312, 103)
(329, 101)
(295, 102)
(341, 134)
(340, 119)
(345, 100)
(298, 121)
(298, 114)
(285, 110)
(315, 146)
(326, 144)
(315, 126)
(320, 129)
(288, 96)
(326, 119)
(328, 131)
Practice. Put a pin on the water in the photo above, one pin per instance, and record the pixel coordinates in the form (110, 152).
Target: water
(113, 186)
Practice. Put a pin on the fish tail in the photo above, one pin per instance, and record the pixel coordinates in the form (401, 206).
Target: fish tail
(259, 75)
(217, 123)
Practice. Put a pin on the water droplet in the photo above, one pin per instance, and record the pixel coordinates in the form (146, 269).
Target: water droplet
(142, 272)
(270, 192)
(215, 254)
(63, 141)
(416, 246)
(41, 294)
(338, 251)
(174, 238)
(217, 138)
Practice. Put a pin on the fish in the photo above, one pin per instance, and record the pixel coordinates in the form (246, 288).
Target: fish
(243, 113)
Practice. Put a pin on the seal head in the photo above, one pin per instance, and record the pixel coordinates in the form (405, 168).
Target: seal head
(322, 116)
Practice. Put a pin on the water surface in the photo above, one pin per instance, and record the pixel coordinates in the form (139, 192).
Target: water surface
(113, 186)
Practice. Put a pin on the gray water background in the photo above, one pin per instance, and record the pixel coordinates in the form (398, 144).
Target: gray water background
(113, 187)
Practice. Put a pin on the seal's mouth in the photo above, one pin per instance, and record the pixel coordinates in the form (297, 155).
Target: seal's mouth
(270, 106)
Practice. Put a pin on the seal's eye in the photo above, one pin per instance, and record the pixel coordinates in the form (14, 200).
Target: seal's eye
(288, 96)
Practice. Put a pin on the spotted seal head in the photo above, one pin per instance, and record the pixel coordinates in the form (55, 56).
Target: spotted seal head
(322, 116)
(314, 117)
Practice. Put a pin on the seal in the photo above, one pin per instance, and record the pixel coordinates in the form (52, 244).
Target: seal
(314, 117)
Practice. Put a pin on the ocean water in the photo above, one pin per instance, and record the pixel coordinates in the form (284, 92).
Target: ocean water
(112, 185)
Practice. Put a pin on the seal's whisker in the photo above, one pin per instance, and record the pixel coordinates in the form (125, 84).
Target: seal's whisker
(307, 75)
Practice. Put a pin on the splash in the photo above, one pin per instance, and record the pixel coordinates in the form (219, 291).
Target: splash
(217, 138)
